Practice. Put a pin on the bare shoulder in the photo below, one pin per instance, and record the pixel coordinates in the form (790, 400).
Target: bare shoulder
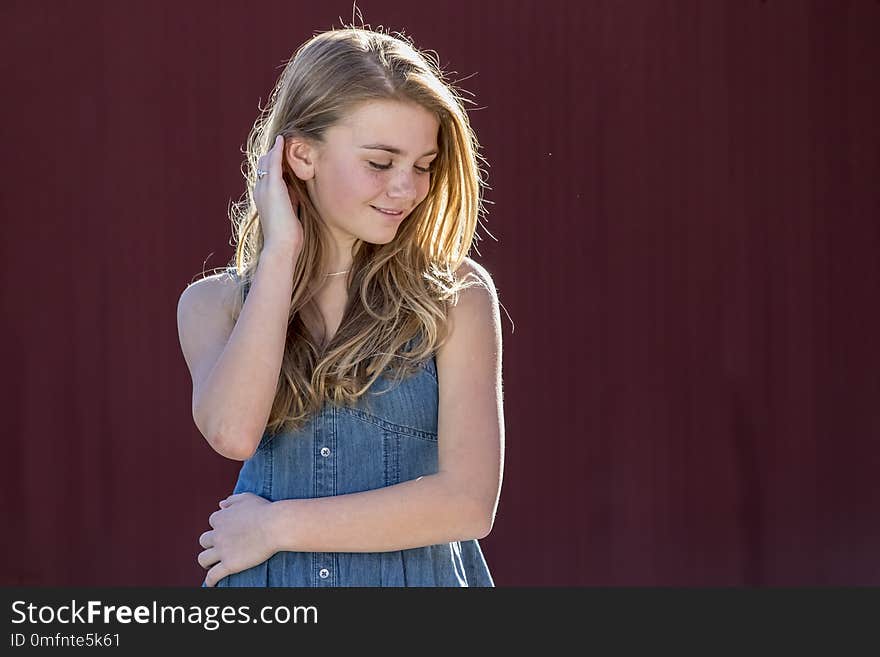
(480, 297)
(475, 319)
(204, 321)
(472, 271)
(211, 296)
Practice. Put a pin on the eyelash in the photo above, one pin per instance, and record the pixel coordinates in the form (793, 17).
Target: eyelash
(388, 166)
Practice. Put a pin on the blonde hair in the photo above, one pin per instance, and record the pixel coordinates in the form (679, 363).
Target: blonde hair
(399, 292)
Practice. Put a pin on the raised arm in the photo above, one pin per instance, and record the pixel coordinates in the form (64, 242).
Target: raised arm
(235, 367)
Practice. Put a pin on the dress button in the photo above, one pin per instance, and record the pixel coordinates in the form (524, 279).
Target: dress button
(325, 451)
(324, 573)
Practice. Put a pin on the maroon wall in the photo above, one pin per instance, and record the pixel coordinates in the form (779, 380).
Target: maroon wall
(685, 205)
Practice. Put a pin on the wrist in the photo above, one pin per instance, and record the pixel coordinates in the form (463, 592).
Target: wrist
(280, 535)
(281, 249)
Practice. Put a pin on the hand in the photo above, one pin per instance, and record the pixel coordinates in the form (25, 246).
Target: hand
(275, 201)
(241, 537)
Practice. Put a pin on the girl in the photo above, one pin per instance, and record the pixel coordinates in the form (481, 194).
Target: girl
(351, 358)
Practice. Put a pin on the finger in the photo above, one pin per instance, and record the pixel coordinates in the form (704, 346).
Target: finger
(215, 575)
(211, 519)
(208, 558)
(269, 154)
(272, 146)
(277, 153)
(206, 540)
(267, 161)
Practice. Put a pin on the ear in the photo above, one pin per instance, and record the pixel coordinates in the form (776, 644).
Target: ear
(300, 157)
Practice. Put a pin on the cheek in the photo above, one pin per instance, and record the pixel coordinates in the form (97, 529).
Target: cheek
(355, 184)
(365, 177)
(424, 186)
(369, 184)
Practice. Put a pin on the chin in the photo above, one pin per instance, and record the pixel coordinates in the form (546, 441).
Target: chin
(380, 235)
(380, 239)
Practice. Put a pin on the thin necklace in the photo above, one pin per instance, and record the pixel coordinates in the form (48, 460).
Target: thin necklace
(338, 273)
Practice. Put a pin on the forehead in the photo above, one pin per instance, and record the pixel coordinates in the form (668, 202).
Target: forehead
(407, 127)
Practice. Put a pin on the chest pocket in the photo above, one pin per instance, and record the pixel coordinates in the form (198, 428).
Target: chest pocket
(390, 436)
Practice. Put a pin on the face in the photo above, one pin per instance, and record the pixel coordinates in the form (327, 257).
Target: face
(378, 157)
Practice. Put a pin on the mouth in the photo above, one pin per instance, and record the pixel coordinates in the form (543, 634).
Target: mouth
(387, 213)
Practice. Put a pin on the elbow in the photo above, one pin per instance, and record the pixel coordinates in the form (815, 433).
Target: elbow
(474, 513)
(484, 519)
(231, 445)
(232, 452)
(484, 527)
(226, 443)
(234, 449)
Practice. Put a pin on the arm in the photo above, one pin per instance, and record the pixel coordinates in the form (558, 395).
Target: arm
(460, 500)
(423, 511)
(235, 368)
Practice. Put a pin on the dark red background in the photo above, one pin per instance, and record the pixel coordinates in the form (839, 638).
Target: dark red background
(684, 200)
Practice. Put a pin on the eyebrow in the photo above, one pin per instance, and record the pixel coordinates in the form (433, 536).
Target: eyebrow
(392, 149)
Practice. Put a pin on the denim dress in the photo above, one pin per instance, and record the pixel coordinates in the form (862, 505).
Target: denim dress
(387, 437)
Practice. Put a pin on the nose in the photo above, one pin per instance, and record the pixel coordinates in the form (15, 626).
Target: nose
(403, 186)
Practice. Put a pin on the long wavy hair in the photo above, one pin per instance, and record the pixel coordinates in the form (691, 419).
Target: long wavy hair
(398, 293)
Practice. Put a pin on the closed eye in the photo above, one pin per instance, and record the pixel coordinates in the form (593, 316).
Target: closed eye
(388, 166)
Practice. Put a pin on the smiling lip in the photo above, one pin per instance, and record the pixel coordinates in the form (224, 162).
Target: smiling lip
(390, 213)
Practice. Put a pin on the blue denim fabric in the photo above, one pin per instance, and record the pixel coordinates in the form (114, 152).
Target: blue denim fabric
(383, 440)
